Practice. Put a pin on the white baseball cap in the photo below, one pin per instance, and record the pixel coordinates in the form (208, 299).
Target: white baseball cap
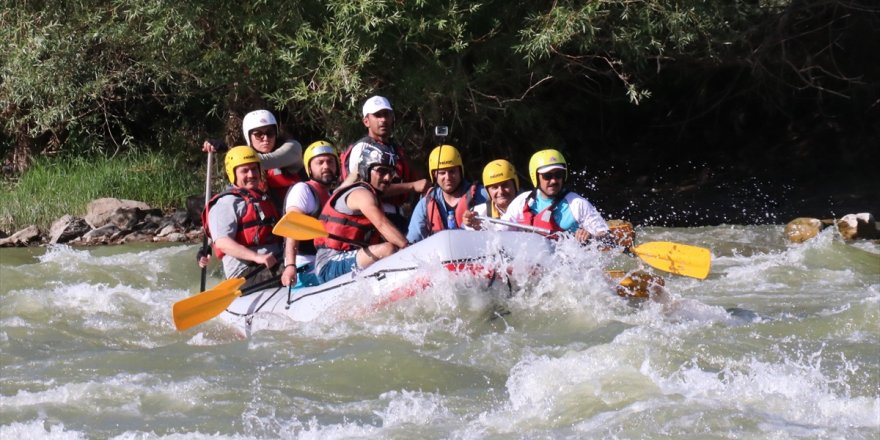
(375, 104)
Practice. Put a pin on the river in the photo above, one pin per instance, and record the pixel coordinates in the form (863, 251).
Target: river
(781, 341)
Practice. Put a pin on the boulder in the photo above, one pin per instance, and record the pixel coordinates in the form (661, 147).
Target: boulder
(194, 206)
(23, 237)
(136, 237)
(126, 218)
(174, 237)
(102, 235)
(857, 226)
(802, 229)
(99, 211)
(67, 228)
(167, 230)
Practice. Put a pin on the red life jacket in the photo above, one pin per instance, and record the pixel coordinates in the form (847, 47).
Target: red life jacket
(321, 195)
(355, 227)
(255, 226)
(433, 211)
(278, 181)
(543, 219)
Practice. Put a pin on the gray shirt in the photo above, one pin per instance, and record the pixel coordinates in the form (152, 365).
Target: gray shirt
(223, 222)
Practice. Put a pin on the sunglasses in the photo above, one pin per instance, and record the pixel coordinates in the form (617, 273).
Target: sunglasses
(384, 171)
(263, 134)
(556, 174)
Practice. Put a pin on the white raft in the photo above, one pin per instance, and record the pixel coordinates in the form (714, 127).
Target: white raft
(476, 254)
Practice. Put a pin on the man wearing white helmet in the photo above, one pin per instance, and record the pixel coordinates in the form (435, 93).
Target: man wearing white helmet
(551, 205)
(281, 161)
(378, 118)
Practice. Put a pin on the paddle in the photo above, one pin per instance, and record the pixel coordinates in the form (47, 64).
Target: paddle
(303, 227)
(205, 250)
(203, 306)
(677, 258)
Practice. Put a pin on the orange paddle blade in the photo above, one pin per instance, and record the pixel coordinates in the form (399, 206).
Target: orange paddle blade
(677, 258)
(203, 306)
(299, 226)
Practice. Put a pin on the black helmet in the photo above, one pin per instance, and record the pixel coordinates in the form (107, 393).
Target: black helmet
(373, 154)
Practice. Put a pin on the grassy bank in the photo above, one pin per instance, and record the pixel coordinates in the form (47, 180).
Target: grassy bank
(53, 187)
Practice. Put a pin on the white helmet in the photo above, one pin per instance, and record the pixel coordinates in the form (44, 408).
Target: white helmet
(257, 119)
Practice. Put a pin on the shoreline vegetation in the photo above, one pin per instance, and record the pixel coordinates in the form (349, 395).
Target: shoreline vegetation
(150, 197)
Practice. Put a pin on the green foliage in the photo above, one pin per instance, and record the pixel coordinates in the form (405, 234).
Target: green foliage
(56, 186)
(99, 76)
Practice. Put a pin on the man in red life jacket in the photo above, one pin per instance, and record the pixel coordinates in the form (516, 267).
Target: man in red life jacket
(378, 118)
(309, 197)
(551, 205)
(240, 220)
(445, 205)
(354, 214)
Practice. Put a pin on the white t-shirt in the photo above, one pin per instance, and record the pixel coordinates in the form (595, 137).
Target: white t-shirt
(301, 198)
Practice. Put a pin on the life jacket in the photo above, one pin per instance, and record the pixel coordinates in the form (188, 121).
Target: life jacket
(278, 181)
(355, 227)
(255, 226)
(543, 219)
(321, 195)
(433, 211)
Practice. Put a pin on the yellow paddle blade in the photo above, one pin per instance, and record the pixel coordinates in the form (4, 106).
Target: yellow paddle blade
(299, 226)
(206, 305)
(677, 258)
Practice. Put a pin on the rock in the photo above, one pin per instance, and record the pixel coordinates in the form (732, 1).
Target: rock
(802, 229)
(23, 237)
(126, 218)
(194, 207)
(167, 230)
(101, 235)
(136, 237)
(99, 211)
(180, 216)
(172, 237)
(67, 228)
(857, 226)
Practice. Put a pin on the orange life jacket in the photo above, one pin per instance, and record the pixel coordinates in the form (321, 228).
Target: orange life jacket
(433, 211)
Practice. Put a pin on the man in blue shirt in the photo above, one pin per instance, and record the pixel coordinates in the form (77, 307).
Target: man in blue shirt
(451, 197)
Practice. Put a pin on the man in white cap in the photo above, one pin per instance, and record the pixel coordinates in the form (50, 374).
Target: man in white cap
(552, 206)
(378, 118)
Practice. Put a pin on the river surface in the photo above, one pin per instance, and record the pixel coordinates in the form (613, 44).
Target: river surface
(782, 341)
